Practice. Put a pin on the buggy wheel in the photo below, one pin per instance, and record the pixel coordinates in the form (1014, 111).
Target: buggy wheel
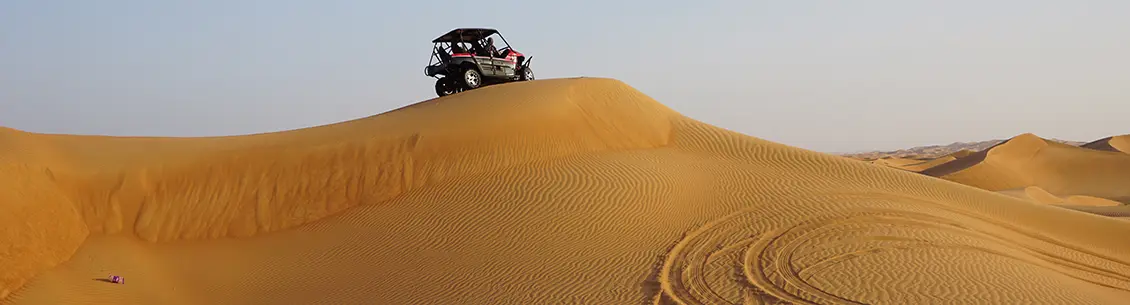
(446, 86)
(527, 74)
(472, 78)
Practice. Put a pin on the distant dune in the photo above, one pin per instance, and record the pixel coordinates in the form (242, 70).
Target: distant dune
(1014, 176)
(896, 162)
(917, 165)
(1028, 160)
(1037, 194)
(1116, 143)
(932, 152)
(577, 191)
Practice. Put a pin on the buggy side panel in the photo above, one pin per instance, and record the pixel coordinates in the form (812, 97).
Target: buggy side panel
(506, 68)
(487, 65)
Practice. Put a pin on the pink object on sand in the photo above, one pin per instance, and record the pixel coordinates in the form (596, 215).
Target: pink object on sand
(117, 279)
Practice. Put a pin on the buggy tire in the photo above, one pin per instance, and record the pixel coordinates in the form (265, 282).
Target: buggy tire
(471, 78)
(526, 74)
(446, 86)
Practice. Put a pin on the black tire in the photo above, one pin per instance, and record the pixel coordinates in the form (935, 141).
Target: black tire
(527, 74)
(472, 78)
(446, 86)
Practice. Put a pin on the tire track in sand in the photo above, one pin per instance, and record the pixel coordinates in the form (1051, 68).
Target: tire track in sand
(787, 260)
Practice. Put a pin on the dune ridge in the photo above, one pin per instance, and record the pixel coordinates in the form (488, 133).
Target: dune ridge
(1028, 160)
(921, 166)
(1119, 143)
(916, 165)
(565, 190)
(163, 189)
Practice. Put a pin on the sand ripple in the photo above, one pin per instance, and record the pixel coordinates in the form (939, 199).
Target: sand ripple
(876, 249)
(569, 191)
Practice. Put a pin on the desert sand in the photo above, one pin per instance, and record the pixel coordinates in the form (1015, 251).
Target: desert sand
(561, 191)
(918, 165)
(1037, 194)
(1028, 160)
(896, 162)
(1116, 143)
(930, 152)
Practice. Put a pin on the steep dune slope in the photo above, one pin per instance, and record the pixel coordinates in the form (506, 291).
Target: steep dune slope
(39, 227)
(1027, 160)
(555, 191)
(1116, 143)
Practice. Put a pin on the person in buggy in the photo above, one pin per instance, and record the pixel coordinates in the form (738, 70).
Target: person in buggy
(492, 50)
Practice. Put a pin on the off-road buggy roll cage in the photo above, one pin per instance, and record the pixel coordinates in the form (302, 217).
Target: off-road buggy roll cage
(456, 53)
(457, 41)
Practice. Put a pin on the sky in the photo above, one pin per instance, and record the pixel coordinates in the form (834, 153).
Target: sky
(830, 76)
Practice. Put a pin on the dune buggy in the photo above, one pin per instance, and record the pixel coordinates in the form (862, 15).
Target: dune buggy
(469, 58)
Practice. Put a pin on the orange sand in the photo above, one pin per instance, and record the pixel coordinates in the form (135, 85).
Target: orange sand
(895, 162)
(1115, 143)
(920, 165)
(1038, 194)
(1120, 211)
(1027, 160)
(579, 191)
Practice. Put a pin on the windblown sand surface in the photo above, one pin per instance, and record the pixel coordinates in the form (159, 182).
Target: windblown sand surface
(1121, 211)
(578, 191)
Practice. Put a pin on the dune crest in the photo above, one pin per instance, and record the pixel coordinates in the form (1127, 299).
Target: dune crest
(916, 165)
(551, 191)
(163, 189)
(1028, 160)
(921, 166)
(173, 196)
(1119, 143)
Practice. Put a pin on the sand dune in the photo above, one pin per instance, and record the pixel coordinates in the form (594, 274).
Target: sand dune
(1039, 195)
(1027, 160)
(1120, 211)
(921, 166)
(579, 191)
(936, 151)
(895, 162)
(1116, 143)
(916, 165)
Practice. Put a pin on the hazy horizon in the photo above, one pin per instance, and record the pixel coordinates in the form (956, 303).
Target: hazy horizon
(822, 75)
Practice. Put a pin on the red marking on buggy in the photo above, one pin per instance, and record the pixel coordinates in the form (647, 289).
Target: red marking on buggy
(483, 57)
